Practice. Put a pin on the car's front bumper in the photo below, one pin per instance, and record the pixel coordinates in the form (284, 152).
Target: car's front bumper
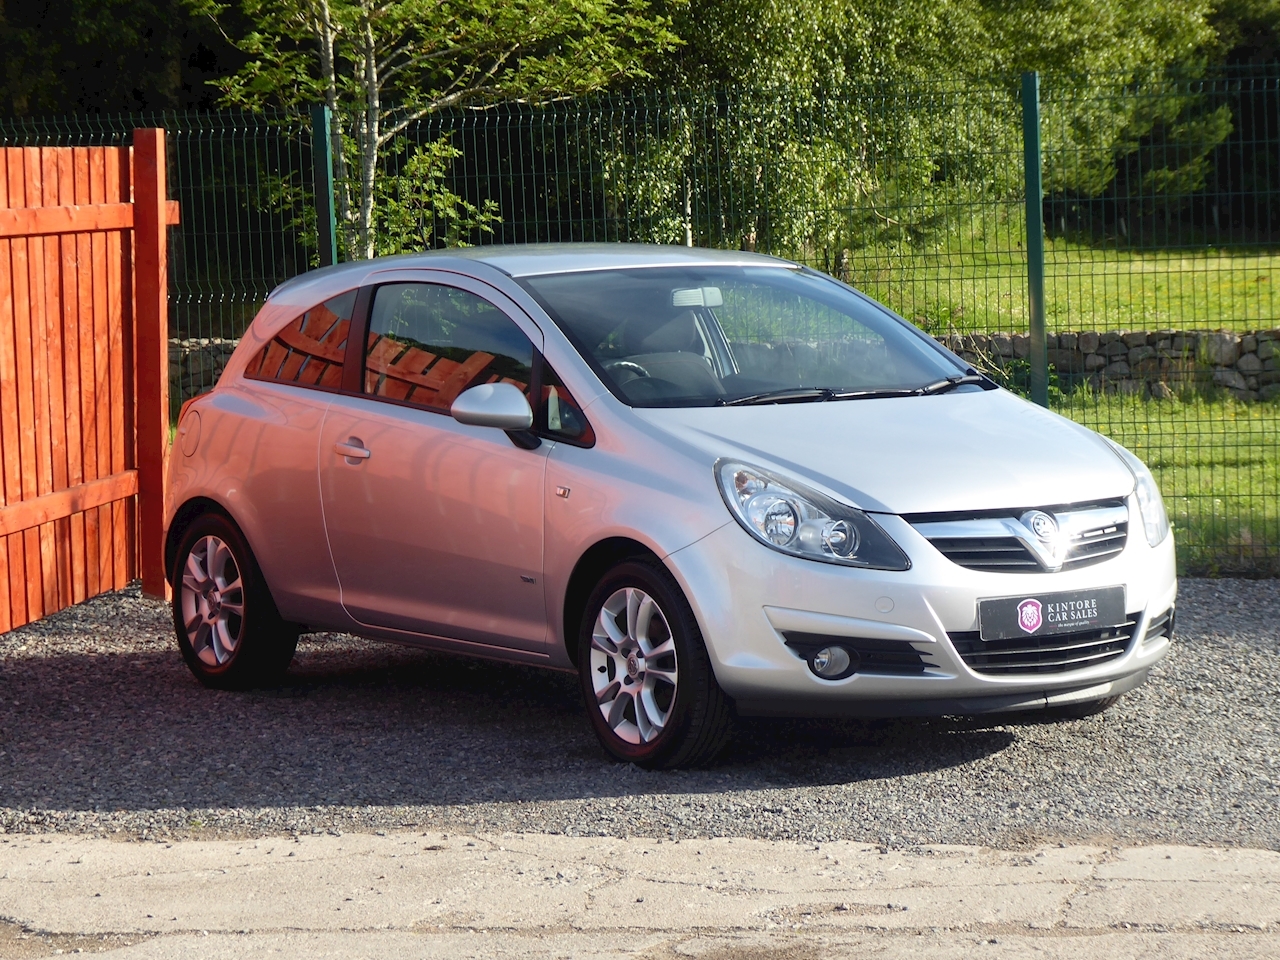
(746, 596)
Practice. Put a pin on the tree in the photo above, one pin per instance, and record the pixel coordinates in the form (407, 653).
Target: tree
(384, 65)
(80, 56)
(853, 122)
(829, 43)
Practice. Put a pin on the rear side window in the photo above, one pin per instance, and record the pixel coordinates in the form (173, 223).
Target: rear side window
(309, 350)
(428, 343)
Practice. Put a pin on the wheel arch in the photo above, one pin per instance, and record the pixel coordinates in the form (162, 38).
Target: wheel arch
(591, 566)
(183, 518)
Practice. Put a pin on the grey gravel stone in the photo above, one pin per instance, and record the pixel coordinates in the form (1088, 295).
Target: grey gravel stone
(103, 730)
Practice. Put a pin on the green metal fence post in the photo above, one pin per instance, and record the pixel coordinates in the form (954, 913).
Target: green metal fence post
(1032, 158)
(322, 163)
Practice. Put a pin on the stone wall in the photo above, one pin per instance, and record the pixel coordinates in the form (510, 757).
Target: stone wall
(1157, 364)
(195, 365)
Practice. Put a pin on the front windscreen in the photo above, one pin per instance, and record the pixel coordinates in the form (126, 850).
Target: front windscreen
(683, 336)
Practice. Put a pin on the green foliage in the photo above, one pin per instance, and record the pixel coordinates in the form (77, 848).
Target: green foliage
(433, 54)
(837, 117)
(826, 44)
(385, 66)
(416, 209)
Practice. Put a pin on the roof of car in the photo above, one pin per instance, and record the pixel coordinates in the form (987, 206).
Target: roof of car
(539, 259)
(530, 260)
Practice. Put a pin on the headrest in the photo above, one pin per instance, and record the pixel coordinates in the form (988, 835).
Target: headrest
(680, 334)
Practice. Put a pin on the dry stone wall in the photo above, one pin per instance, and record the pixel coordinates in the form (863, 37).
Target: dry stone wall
(196, 365)
(1158, 364)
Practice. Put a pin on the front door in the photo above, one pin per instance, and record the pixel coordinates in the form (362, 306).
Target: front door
(435, 527)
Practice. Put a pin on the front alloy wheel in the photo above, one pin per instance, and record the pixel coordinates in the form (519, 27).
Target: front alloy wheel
(633, 666)
(646, 678)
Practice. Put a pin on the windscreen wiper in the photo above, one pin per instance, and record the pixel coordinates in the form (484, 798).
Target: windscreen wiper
(819, 394)
(873, 394)
(789, 395)
(942, 386)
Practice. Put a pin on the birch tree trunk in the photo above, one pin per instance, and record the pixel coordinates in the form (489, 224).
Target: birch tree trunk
(327, 34)
(369, 129)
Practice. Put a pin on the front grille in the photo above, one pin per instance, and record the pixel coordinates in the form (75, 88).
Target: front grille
(1094, 546)
(1049, 654)
(992, 554)
(996, 541)
(893, 657)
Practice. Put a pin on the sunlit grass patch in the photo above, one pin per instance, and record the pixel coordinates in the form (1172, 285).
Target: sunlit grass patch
(1218, 464)
(975, 285)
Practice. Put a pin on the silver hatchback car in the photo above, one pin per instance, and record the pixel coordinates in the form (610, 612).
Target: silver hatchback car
(711, 483)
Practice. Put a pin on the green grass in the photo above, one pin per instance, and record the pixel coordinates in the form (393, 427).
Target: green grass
(980, 286)
(1217, 462)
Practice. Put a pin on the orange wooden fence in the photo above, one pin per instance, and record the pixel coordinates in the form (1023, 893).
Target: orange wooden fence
(83, 373)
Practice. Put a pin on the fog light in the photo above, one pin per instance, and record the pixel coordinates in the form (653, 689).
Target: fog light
(831, 663)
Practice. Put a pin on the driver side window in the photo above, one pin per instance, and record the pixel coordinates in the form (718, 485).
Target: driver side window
(428, 342)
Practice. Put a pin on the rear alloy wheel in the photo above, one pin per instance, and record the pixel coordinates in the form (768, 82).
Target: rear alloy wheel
(229, 631)
(648, 684)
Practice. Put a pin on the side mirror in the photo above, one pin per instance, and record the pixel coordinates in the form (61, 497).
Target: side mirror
(500, 405)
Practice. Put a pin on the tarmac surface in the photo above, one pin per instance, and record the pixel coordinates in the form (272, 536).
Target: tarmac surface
(429, 895)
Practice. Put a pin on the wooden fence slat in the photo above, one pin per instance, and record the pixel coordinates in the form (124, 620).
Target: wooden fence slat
(120, 355)
(8, 425)
(71, 375)
(60, 529)
(88, 382)
(42, 408)
(22, 337)
(107, 533)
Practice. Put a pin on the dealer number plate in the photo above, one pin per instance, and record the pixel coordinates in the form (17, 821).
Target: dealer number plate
(1046, 614)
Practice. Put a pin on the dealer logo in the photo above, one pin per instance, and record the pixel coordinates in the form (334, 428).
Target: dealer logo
(1030, 616)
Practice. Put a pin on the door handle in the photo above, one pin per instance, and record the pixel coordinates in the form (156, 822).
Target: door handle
(352, 449)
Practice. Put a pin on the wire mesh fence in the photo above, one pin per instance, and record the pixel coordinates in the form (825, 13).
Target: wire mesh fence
(1160, 211)
(237, 239)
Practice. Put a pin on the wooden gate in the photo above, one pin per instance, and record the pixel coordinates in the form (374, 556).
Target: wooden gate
(84, 419)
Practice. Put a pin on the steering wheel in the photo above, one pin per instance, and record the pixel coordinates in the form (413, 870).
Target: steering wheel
(633, 368)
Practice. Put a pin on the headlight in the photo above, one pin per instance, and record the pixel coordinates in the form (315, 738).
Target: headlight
(1150, 503)
(793, 519)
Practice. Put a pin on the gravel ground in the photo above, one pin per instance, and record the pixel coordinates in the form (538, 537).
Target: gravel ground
(102, 729)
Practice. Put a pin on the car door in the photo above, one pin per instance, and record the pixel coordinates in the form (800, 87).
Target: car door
(435, 527)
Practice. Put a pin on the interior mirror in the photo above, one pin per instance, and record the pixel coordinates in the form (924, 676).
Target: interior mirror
(500, 405)
(697, 297)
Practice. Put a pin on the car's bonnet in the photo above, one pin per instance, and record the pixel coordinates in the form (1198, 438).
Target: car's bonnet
(952, 452)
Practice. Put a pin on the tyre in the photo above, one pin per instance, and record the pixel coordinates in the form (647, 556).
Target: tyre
(1078, 711)
(648, 684)
(229, 631)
